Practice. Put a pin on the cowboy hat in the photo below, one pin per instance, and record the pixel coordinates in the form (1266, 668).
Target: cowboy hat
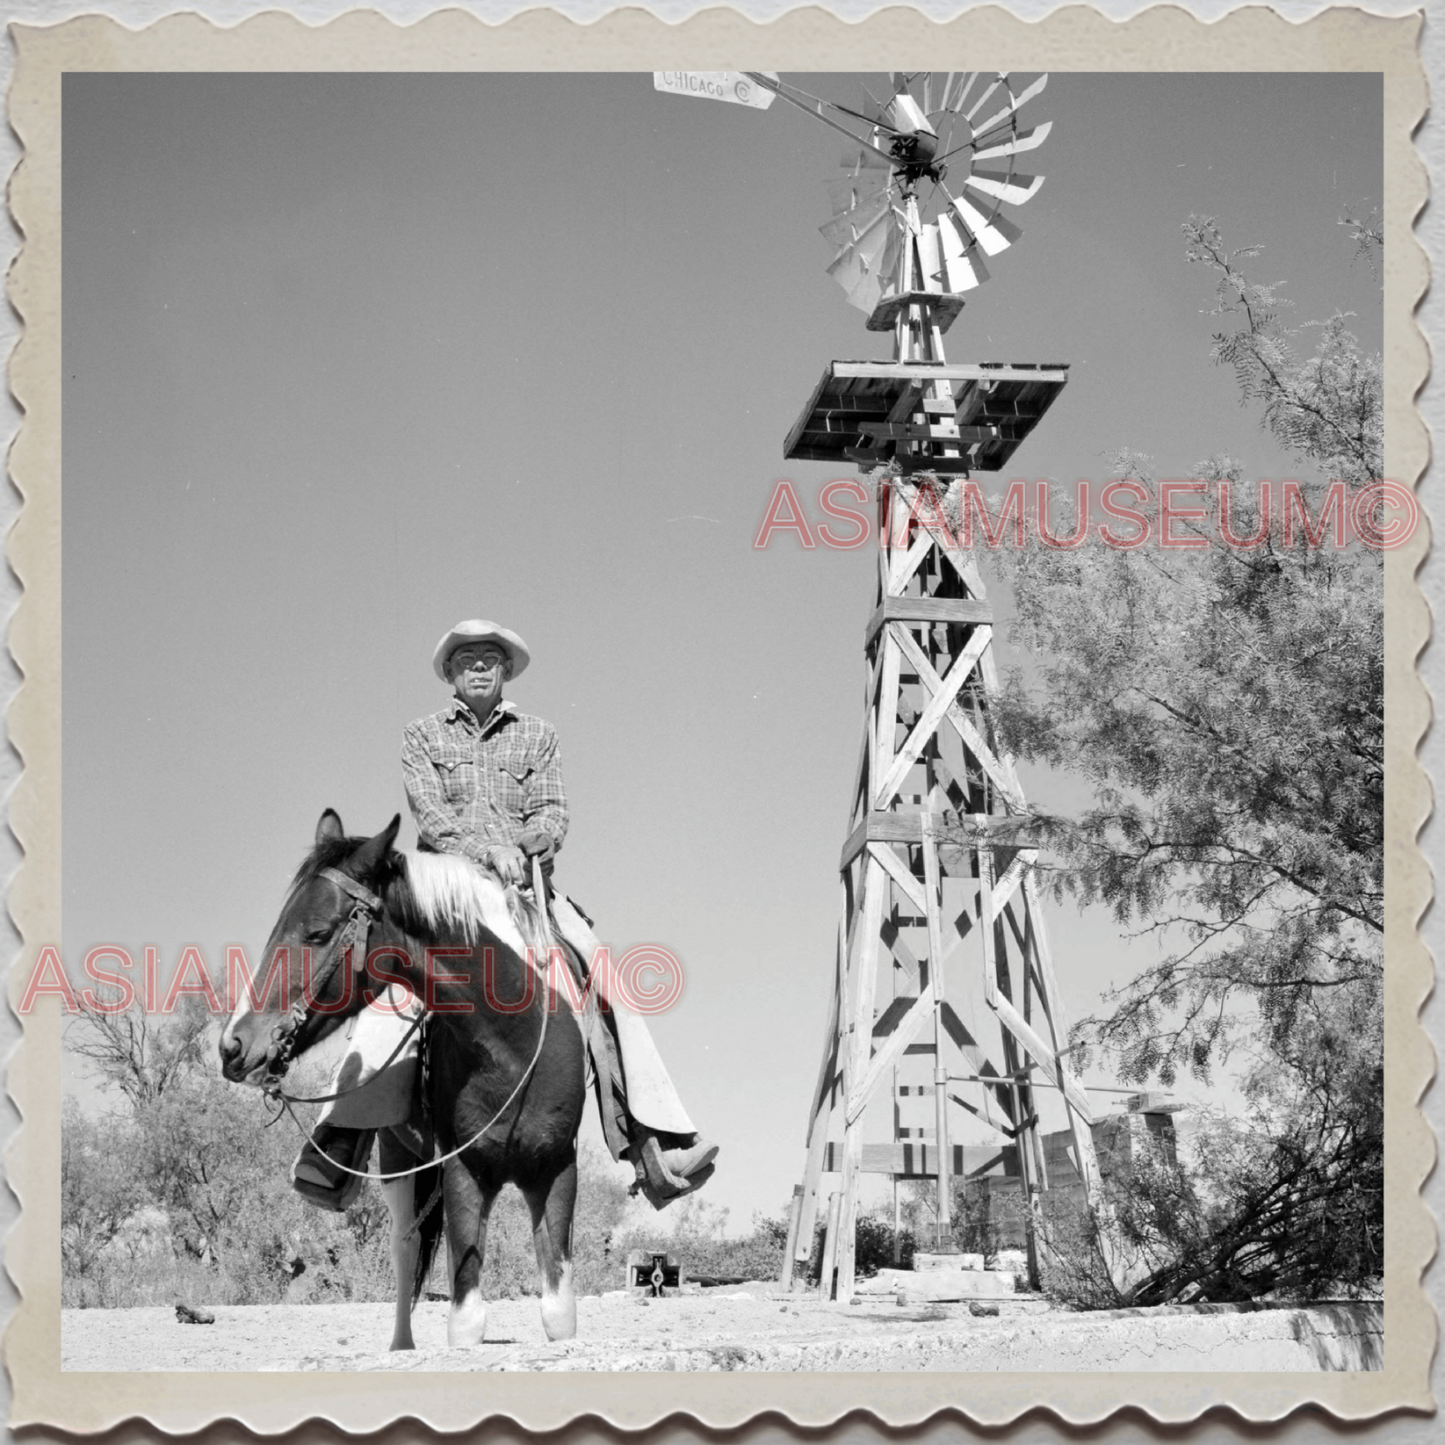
(476, 631)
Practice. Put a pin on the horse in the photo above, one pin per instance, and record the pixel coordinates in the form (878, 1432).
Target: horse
(505, 1068)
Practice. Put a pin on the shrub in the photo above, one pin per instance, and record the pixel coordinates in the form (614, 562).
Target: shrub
(873, 1248)
(987, 1220)
(694, 1235)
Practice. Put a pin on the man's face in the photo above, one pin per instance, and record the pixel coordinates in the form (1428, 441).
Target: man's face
(478, 670)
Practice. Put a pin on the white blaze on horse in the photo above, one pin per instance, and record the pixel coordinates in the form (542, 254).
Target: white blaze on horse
(506, 1066)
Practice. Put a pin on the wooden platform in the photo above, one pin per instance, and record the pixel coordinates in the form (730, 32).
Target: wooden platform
(865, 411)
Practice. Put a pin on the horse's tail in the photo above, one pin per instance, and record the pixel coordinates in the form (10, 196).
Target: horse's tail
(426, 1200)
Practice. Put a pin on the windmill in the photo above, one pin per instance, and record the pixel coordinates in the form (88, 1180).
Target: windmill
(937, 873)
(919, 204)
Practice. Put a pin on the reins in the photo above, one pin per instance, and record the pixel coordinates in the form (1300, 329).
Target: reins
(275, 1091)
(369, 904)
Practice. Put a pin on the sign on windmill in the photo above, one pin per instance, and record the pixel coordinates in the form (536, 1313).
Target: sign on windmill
(937, 873)
(729, 85)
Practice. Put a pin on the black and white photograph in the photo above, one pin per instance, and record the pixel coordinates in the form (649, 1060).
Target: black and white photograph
(723, 721)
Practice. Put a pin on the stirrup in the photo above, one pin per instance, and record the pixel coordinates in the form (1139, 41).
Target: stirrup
(656, 1176)
(337, 1188)
(652, 1168)
(660, 1200)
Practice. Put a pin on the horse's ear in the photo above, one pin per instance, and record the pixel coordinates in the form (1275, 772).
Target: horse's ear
(367, 859)
(329, 829)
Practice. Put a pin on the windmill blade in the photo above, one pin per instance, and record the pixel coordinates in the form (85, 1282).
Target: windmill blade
(967, 272)
(849, 195)
(1011, 144)
(869, 239)
(981, 131)
(1025, 140)
(930, 259)
(905, 118)
(978, 105)
(950, 95)
(992, 234)
(845, 228)
(961, 89)
(855, 191)
(868, 292)
(1015, 189)
(960, 271)
(865, 178)
(947, 123)
(891, 264)
(862, 269)
(862, 257)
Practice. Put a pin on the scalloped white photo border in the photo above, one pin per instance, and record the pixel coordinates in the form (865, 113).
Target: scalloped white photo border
(1073, 38)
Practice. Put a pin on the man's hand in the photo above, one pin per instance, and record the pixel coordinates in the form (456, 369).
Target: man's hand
(537, 841)
(507, 862)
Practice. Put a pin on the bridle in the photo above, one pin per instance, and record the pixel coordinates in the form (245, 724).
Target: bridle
(365, 909)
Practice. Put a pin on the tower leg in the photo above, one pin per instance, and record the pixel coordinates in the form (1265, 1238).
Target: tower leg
(795, 1209)
(830, 1246)
(858, 1046)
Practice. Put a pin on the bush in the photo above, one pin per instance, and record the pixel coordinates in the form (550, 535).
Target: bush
(873, 1248)
(185, 1195)
(1073, 1267)
(987, 1220)
(694, 1235)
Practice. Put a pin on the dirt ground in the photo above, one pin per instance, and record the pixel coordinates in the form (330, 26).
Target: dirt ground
(747, 1328)
(722, 1324)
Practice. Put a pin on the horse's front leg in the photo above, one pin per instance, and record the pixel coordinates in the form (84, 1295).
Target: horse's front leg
(400, 1196)
(468, 1205)
(552, 1207)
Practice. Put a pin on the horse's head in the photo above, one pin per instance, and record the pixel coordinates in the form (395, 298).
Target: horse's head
(315, 958)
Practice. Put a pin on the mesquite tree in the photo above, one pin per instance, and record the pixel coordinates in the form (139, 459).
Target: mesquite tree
(1226, 706)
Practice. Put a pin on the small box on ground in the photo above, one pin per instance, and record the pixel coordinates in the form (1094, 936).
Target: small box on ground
(654, 1274)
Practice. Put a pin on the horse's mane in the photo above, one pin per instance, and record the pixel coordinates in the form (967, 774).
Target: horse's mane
(440, 893)
(444, 892)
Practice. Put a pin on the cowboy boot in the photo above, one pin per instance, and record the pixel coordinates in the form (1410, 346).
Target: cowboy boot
(667, 1174)
(322, 1173)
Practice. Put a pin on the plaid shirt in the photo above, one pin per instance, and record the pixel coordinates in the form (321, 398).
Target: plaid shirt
(471, 787)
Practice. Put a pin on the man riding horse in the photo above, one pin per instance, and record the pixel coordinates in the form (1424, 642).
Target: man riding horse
(485, 782)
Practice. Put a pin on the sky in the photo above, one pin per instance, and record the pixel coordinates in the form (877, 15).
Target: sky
(351, 357)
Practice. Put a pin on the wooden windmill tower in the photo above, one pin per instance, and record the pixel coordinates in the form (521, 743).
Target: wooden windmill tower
(944, 993)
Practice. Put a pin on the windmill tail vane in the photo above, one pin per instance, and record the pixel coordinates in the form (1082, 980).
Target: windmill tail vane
(732, 86)
(915, 212)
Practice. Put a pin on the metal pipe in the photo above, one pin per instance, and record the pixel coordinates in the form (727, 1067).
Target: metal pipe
(1034, 1083)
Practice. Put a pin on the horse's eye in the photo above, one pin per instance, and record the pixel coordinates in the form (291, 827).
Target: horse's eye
(320, 935)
